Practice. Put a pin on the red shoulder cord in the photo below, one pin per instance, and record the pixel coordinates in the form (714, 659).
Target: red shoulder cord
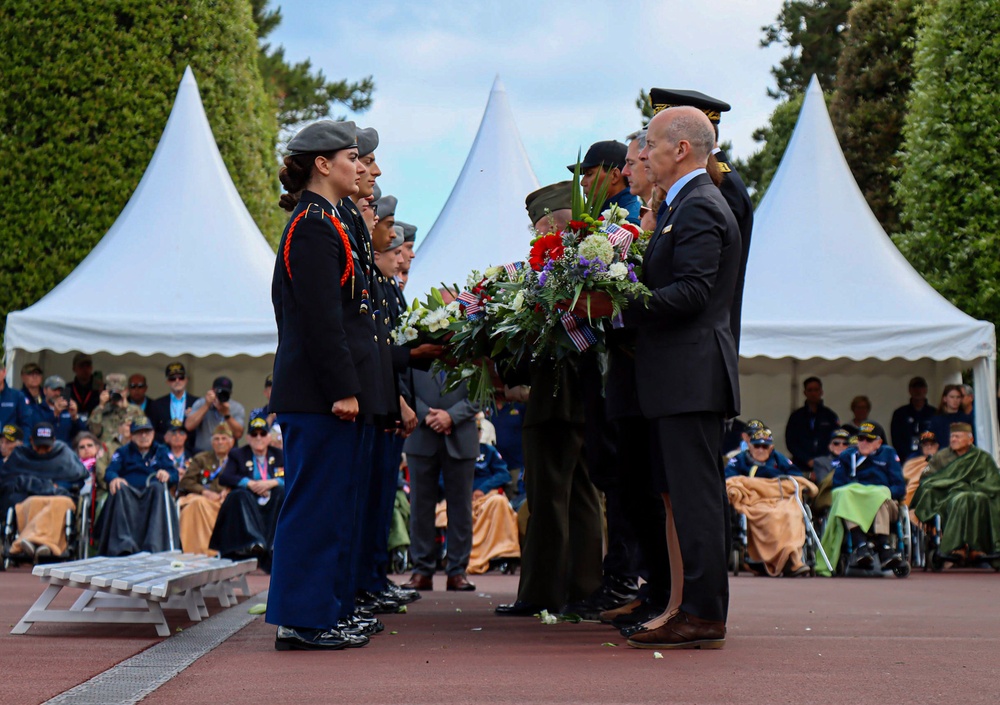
(288, 242)
(349, 269)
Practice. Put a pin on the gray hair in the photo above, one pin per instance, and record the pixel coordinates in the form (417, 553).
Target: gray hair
(690, 124)
(638, 135)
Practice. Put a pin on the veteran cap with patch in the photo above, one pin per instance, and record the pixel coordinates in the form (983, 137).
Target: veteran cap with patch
(367, 140)
(928, 437)
(663, 98)
(258, 424)
(175, 369)
(607, 153)
(176, 426)
(386, 206)
(841, 433)
(141, 423)
(549, 199)
(13, 433)
(867, 431)
(762, 437)
(324, 136)
(43, 434)
(754, 425)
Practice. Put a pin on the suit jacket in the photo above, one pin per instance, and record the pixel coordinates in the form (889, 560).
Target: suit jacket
(736, 195)
(685, 356)
(158, 411)
(239, 466)
(463, 441)
(327, 343)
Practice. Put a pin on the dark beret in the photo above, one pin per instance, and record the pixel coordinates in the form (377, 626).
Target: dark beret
(367, 141)
(663, 98)
(409, 231)
(324, 136)
(376, 192)
(549, 198)
(386, 206)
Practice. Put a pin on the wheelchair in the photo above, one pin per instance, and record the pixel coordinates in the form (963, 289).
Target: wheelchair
(935, 560)
(739, 556)
(903, 541)
(77, 528)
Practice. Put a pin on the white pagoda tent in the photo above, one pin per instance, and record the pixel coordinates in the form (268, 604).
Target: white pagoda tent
(828, 294)
(184, 273)
(483, 221)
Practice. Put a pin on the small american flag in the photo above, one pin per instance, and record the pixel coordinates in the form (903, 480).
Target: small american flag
(580, 333)
(471, 303)
(513, 268)
(620, 238)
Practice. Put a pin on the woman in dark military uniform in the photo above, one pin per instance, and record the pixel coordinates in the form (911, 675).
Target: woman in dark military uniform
(325, 392)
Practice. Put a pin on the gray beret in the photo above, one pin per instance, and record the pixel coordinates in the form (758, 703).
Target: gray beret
(397, 238)
(376, 192)
(386, 206)
(409, 231)
(324, 136)
(367, 141)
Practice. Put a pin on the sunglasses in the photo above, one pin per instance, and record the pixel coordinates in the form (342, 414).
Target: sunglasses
(176, 378)
(137, 386)
(838, 443)
(762, 445)
(258, 434)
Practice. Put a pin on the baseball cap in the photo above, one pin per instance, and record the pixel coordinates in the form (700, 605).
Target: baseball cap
(43, 434)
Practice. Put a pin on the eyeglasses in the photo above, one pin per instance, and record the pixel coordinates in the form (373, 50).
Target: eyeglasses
(137, 386)
(374, 208)
(257, 434)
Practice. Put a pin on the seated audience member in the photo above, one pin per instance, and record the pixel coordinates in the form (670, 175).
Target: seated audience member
(255, 475)
(808, 431)
(217, 406)
(949, 412)
(966, 494)
(137, 387)
(263, 410)
(775, 522)
(112, 410)
(81, 388)
(201, 490)
(90, 451)
(31, 384)
(10, 438)
(173, 407)
(59, 412)
(41, 481)
(494, 521)
(909, 421)
(917, 464)
(861, 409)
(139, 515)
(866, 482)
(507, 419)
(823, 465)
(14, 408)
(176, 439)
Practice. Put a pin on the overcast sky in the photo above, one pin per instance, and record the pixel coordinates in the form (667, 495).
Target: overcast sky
(572, 70)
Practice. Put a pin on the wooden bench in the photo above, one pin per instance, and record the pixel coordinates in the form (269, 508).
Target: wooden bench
(136, 589)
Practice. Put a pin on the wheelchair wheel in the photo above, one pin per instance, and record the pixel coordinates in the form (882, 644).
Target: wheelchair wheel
(935, 561)
(736, 560)
(901, 571)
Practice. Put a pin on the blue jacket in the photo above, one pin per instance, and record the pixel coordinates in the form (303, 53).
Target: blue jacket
(627, 200)
(744, 464)
(491, 470)
(130, 465)
(15, 409)
(66, 427)
(880, 468)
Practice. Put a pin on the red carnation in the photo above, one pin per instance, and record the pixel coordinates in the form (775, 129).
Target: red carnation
(577, 225)
(547, 247)
(632, 229)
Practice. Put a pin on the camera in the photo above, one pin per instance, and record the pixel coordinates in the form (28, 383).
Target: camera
(222, 395)
(116, 398)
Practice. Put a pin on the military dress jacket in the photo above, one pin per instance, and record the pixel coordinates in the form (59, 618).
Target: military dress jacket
(736, 195)
(327, 342)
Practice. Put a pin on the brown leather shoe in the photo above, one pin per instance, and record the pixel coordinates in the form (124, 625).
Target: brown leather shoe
(460, 582)
(682, 631)
(419, 581)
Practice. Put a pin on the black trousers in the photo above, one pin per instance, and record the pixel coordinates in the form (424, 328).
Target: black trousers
(244, 523)
(686, 452)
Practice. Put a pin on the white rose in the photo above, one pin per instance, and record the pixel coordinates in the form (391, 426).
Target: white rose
(618, 271)
(518, 303)
(493, 272)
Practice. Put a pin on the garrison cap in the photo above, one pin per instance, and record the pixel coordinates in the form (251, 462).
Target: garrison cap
(663, 98)
(548, 199)
(609, 153)
(397, 238)
(175, 368)
(409, 231)
(386, 206)
(367, 140)
(13, 433)
(960, 427)
(142, 423)
(223, 430)
(324, 136)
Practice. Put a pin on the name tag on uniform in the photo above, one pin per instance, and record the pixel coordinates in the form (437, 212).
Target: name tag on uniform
(667, 229)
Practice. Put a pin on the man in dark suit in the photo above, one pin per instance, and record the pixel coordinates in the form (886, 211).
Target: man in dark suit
(687, 371)
(175, 405)
(445, 443)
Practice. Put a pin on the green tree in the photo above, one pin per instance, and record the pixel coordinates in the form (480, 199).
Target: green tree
(300, 93)
(812, 32)
(645, 106)
(950, 205)
(868, 108)
(86, 94)
(758, 169)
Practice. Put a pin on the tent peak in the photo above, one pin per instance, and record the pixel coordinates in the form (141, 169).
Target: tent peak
(188, 76)
(498, 86)
(814, 86)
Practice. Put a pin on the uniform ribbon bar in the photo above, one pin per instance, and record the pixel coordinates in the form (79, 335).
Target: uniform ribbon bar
(620, 239)
(580, 333)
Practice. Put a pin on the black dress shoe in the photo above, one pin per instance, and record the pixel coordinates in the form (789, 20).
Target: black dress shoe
(300, 639)
(518, 609)
(400, 595)
(641, 614)
(376, 603)
(356, 625)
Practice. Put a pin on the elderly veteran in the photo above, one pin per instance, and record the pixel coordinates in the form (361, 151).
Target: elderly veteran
(494, 521)
(202, 492)
(254, 476)
(41, 480)
(917, 466)
(867, 483)
(966, 494)
(11, 437)
(140, 515)
(775, 522)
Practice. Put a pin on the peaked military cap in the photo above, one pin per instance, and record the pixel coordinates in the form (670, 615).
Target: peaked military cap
(409, 231)
(324, 136)
(386, 206)
(609, 153)
(663, 98)
(548, 199)
(397, 238)
(367, 141)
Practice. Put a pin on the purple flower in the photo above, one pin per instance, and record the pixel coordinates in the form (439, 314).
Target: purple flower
(542, 278)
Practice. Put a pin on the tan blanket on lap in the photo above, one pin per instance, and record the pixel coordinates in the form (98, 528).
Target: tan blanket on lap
(775, 525)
